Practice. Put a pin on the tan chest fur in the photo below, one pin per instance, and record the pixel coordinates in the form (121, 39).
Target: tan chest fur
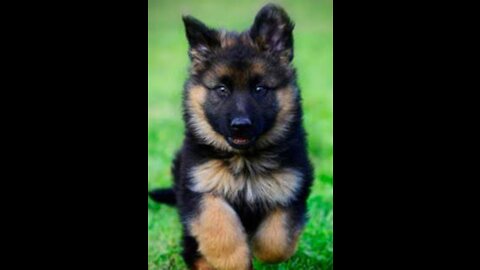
(256, 180)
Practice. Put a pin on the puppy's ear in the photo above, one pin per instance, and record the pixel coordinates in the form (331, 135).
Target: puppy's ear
(272, 32)
(202, 40)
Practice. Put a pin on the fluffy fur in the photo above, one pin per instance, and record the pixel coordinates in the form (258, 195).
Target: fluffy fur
(242, 175)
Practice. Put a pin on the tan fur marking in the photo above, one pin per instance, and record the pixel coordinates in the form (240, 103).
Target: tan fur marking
(226, 40)
(273, 243)
(220, 235)
(258, 180)
(202, 264)
(263, 164)
(196, 99)
(257, 68)
(285, 116)
(220, 70)
(239, 76)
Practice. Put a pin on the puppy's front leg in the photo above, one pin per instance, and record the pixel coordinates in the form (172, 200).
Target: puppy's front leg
(220, 235)
(276, 239)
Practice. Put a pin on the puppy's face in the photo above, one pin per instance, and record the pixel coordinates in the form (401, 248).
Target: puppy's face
(240, 81)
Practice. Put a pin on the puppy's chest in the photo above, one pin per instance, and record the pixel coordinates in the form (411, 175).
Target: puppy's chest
(253, 180)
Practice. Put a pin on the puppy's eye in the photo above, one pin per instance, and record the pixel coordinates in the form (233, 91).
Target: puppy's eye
(222, 90)
(260, 89)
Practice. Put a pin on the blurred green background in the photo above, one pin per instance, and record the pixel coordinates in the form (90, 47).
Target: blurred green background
(167, 71)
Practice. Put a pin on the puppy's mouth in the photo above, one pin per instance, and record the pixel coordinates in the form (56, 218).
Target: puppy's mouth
(240, 142)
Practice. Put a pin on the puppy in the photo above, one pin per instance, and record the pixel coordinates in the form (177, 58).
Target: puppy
(242, 175)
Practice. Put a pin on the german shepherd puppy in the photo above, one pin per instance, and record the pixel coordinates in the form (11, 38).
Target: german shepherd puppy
(242, 176)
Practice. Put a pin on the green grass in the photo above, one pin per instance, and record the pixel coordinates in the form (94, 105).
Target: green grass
(167, 71)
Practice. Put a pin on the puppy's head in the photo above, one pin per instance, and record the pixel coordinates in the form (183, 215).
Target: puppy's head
(241, 91)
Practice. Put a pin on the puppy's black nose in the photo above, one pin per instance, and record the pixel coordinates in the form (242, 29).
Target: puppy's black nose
(240, 123)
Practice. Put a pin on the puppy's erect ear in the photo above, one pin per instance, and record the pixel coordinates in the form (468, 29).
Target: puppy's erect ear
(272, 32)
(202, 40)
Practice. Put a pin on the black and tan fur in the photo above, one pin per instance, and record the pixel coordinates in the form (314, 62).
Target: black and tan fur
(242, 176)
